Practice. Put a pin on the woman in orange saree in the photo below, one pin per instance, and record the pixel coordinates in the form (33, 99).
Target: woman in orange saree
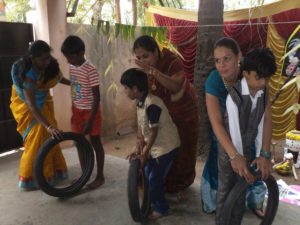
(32, 107)
(167, 81)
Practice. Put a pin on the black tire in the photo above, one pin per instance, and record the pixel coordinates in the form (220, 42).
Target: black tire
(88, 153)
(139, 210)
(239, 188)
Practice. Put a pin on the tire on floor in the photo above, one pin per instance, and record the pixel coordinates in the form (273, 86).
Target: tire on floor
(239, 188)
(88, 154)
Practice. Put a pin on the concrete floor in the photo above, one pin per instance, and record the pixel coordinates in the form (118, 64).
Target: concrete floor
(106, 205)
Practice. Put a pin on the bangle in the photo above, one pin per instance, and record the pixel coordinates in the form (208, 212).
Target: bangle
(48, 128)
(266, 154)
(234, 157)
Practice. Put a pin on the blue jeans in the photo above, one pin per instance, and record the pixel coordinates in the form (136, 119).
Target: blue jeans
(156, 170)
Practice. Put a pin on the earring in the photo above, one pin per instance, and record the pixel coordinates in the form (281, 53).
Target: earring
(153, 87)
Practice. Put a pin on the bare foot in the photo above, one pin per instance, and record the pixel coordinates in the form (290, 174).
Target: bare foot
(260, 212)
(96, 183)
(156, 215)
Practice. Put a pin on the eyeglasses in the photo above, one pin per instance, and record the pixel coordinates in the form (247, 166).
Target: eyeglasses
(225, 59)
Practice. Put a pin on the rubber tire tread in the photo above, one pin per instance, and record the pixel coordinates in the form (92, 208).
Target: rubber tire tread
(44, 150)
(239, 188)
(138, 213)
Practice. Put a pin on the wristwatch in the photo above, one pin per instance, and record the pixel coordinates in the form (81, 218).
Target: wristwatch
(265, 154)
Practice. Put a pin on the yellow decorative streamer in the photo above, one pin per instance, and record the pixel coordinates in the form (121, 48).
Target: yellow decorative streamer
(234, 15)
(281, 124)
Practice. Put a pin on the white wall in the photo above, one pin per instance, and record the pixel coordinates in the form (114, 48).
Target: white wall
(118, 112)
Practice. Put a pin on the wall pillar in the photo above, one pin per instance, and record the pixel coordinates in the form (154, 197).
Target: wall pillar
(51, 27)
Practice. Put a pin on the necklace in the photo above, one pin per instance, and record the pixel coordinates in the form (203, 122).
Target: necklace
(152, 82)
(225, 84)
(228, 84)
(153, 87)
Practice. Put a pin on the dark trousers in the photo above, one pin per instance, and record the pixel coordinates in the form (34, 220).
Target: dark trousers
(156, 170)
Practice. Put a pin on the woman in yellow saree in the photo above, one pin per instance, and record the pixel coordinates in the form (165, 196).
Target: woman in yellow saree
(32, 107)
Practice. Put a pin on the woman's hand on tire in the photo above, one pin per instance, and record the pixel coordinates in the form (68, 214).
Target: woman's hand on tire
(55, 133)
(239, 166)
(264, 166)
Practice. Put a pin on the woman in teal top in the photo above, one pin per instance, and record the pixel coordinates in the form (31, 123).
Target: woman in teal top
(227, 56)
(209, 181)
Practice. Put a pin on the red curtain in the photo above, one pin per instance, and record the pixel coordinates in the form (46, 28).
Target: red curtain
(249, 34)
(286, 29)
(182, 34)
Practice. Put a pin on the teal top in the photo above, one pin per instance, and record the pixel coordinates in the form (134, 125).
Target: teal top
(40, 95)
(214, 85)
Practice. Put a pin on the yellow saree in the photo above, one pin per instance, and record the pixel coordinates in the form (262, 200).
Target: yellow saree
(34, 135)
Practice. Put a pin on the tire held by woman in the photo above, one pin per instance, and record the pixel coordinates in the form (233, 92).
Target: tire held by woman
(87, 150)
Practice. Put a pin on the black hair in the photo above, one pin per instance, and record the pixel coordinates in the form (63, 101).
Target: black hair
(135, 77)
(229, 43)
(260, 60)
(38, 48)
(72, 45)
(52, 70)
(24, 64)
(146, 42)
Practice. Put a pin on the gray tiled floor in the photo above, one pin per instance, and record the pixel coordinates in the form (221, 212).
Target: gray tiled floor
(106, 205)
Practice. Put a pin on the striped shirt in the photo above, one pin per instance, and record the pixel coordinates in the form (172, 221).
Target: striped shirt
(83, 78)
